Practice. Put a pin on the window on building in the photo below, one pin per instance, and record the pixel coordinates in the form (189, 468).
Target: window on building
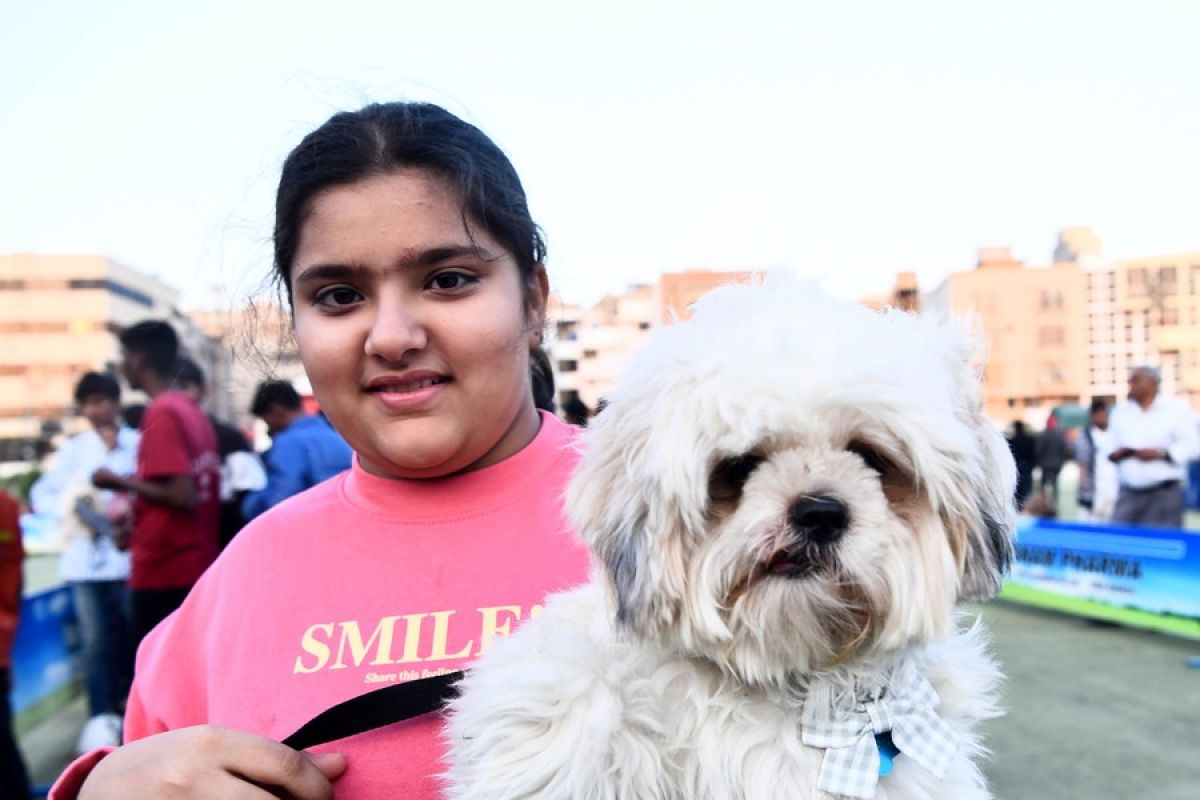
(1051, 298)
(1136, 282)
(1168, 279)
(34, 327)
(1051, 335)
(568, 365)
(119, 289)
(12, 285)
(643, 326)
(589, 353)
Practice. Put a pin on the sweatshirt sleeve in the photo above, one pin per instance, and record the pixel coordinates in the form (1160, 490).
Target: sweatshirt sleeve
(71, 780)
(169, 688)
(171, 684)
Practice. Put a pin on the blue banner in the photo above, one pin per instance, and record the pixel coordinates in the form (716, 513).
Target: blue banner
(1148, 569)
(43, 653)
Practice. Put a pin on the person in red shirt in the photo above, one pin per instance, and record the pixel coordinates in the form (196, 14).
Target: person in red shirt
(177, 487)
(14, 779)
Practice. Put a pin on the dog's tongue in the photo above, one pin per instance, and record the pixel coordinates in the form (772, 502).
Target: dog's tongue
(790, 564)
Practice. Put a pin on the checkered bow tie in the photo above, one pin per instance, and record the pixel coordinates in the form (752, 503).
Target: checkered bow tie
(906, 708)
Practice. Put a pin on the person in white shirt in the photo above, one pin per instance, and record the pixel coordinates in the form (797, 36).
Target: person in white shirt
(92, 523)
(1098, 481)
(1153, 438)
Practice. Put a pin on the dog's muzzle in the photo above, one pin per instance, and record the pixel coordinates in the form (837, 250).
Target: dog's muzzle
(816, 524)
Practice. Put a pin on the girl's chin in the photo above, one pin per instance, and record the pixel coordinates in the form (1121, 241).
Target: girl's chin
(413, 463)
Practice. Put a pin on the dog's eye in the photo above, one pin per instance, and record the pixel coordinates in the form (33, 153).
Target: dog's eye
(730, 475)
(871, 457)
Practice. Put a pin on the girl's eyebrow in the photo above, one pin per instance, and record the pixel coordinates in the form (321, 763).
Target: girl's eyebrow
(424, 258)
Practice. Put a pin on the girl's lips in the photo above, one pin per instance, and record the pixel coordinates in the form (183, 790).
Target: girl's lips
(409, 395)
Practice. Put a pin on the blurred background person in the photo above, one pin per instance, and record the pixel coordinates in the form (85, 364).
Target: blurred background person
(177, 485)
(14, 778)
(93, 526)
(305, 449)
(242, 470)
(1098, 482)
(1022, 446)
(576, 412)
(1050, 453)
(132, 415)
(1153, 438)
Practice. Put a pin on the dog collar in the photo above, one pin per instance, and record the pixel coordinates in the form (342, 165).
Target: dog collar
(858, 731)
(887, 752)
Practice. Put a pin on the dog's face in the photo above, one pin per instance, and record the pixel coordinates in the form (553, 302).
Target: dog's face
(787, 483)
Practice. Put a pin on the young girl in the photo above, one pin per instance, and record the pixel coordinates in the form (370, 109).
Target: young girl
(415, 277)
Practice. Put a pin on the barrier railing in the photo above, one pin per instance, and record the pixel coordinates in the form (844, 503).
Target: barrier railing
(1142, 577)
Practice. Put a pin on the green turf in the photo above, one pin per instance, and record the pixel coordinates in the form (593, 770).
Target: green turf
(1135, 618)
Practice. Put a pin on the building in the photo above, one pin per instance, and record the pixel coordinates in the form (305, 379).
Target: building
(1140, 311)
(678, 291)
(258, 340)
(1033, 320)
(905, 295)
(58, 318)
(1072, 330)
(588, 347)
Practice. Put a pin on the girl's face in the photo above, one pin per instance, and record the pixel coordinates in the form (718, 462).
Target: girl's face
(414, 330)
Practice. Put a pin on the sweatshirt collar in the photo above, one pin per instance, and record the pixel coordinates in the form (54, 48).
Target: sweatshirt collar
(467, 494)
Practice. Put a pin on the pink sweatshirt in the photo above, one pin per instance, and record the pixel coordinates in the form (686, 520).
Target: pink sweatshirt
(355, 584)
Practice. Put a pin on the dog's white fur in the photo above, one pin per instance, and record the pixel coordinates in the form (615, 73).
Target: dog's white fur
(682, 670)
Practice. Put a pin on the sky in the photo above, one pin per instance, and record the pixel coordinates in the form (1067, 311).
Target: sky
(844, 140)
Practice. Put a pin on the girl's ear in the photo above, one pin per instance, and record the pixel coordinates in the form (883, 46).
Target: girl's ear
(537, 293)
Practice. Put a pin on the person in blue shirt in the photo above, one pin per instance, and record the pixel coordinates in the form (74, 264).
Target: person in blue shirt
(305, 449)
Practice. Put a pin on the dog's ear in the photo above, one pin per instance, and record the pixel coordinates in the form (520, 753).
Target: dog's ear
(981, 515)
(988, 550)
(614, 504)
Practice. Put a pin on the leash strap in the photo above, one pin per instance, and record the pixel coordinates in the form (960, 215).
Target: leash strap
(376, 709)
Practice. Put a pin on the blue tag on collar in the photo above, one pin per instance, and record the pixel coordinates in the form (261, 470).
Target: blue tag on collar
(887, 752)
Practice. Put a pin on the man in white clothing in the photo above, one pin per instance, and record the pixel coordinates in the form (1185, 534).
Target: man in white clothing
(94, 561)
(1098, 481)
(1153, 438)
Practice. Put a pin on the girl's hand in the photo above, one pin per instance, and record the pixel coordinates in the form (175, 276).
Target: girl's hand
(208, 761)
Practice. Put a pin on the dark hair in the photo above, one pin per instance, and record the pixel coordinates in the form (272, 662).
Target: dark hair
(385, 137)
(543, 380)
(274, 393)
(1098, 404)
(575, 411)
(93, 383)
(156, 340)
(132, 414)
(188, 371)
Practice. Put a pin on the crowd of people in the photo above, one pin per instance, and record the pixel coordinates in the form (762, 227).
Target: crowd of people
(1132, 457)
(143, 511)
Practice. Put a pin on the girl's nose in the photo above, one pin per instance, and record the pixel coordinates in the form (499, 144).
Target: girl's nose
(397, 329)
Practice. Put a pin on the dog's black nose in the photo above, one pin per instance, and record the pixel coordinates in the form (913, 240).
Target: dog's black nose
(822, 520)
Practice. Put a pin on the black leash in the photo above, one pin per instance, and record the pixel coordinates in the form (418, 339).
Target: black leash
(376, 709)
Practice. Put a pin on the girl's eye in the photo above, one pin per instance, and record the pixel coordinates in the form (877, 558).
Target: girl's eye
(337, 297)
(451, 281)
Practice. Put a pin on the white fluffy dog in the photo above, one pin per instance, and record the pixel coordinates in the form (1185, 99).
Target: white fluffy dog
(785, 497)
